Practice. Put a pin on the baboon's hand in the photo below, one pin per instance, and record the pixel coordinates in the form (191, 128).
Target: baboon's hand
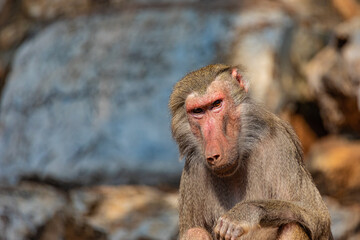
(230, 229)
(237, 222)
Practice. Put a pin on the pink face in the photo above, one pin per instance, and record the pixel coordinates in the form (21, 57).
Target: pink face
(214, 120)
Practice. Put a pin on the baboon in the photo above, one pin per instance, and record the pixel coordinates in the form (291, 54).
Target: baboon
(244, 176)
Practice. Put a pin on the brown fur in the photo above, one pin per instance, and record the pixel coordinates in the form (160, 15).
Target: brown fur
(270, 196)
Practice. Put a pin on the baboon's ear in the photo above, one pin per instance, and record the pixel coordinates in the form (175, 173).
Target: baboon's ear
(236, 73)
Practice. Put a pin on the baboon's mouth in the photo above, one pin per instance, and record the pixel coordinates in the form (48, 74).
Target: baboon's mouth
(226, 170)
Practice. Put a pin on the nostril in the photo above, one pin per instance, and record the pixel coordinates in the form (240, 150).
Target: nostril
(211, 160)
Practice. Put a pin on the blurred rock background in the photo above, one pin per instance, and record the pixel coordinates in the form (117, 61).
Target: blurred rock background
(85, 144)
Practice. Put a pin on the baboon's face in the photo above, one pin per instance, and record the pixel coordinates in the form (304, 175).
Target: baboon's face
(214, 120)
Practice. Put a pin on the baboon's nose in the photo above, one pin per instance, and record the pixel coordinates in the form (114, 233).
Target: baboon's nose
(212, 160)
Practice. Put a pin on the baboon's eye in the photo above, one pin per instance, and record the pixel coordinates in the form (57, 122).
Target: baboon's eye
(217, 103)
(197, 110)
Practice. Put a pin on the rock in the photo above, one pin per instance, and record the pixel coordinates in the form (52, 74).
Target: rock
(66, 226)
(336, 89)
(3, 72)
(2, 4)
(4, 11)
(128, 212)
(23, 210)
(50, 9)
(258, 43)
(354, 237)
(13, 34)
(91, 108)
(334, 77)
(344, 219)
(303, 130)
(312, 12)
(279, 44)
(335, 165)
(37, 211)
(348, 34)
(306, 41)
(347, 8)
(304, 117)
